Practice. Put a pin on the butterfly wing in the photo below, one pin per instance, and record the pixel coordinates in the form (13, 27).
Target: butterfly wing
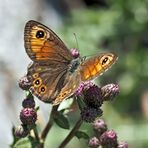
(95, 66)
(88, 70)
(43, 44)
(47, 80)
(72, 82)
(50, 61)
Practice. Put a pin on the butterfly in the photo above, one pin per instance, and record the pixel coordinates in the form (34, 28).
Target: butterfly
(54, 73)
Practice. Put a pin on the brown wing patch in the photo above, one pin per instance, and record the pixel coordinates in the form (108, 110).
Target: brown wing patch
(73, 82)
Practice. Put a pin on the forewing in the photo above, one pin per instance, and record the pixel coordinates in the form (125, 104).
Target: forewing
(43, 44)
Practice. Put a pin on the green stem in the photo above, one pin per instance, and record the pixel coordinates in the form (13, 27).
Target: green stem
(36, 134)
(71, 134)
(47, 127)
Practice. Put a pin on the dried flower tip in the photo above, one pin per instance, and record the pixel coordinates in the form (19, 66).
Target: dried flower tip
(21, 131)
(109, 139)
(93, 96)
(110, 91)
(99, 127)
(24, 83)
(28, 116)
(89, 114)
(94, 142)
(28, 103)
(75, 53)
(123, 145)
(82, 87)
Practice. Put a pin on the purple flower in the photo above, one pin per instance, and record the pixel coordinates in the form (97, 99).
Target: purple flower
(28, 116)
(82, 87)
(89, 114)
(110, 91)
(99, 127)
(24, 83)
(28, 103)
(75, 53)
(109, 139)
(93, 96)
(94, 142)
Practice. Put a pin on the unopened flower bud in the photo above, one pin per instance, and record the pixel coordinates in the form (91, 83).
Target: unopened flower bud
(109, 139)
(110, 91)
(28, 103)
(99, 127)
(94, 142)
(75, 53)
(28, 116)
(24, 83)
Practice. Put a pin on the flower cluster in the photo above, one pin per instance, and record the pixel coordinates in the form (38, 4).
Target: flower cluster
(28, 117)
(104, 137)
(93, 98)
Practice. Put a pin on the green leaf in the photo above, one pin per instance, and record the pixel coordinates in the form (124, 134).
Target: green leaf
(61, 121)
(22, 143)
(81, 134)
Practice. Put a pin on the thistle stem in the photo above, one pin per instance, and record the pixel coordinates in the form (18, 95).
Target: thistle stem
(71, 134)
(48, 126)
(36, 134)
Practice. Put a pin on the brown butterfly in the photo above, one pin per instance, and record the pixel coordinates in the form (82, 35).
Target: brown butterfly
(55, 74)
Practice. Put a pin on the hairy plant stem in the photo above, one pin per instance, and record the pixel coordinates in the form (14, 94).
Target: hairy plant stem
(36, 134)
(47, 127)
(71, 134)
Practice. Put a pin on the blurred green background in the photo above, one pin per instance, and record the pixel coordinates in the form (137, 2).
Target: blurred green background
(105, 25)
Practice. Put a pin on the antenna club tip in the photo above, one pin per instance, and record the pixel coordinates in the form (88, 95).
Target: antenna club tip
(75, 53)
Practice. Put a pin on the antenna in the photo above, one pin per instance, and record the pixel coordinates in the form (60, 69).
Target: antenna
(76, 41)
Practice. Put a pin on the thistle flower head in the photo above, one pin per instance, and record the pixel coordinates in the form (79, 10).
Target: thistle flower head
(93, 96)
(28, 116)
(75, 53)
(94, 142)
(110, 91)
(24, 83)
(89, 114)
(28, 103)
(99, 126)
(109, 139)
(82, 87)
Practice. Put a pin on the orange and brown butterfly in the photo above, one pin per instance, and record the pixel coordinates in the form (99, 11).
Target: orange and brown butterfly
(55, 74)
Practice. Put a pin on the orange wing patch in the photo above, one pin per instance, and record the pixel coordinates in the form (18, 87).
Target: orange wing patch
(95, 66)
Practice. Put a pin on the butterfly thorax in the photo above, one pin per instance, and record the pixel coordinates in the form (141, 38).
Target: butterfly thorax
(74, 65)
